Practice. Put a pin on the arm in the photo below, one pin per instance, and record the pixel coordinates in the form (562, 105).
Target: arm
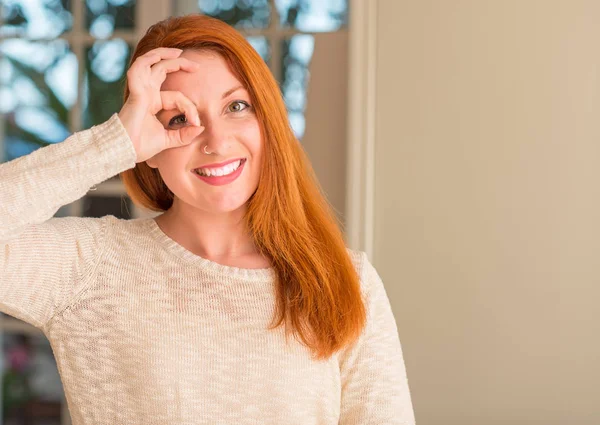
(45, 260)
(373, 376)
(35, 186)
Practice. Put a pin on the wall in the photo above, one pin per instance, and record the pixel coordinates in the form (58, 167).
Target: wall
(487, 205)
(325, 138)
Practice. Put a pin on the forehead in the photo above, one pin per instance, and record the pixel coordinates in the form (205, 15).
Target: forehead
(212, 78)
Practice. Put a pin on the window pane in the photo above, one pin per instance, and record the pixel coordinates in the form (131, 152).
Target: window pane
(102, 17)
(240, 13)
(35, 18)
(104, 79)
(313, 15)
(99, 206)
(261, 45)
(38, 83)
(32, 392)
(64, 211)
(296, 55)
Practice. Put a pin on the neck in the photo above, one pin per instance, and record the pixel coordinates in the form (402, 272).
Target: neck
(214, 236)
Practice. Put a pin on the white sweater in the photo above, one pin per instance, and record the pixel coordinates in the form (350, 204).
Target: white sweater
(146, 332)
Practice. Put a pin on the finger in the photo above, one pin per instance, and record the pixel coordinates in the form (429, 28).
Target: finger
(171, 65)
(182, 137)
(152, 57)
(190, 133)
(177, 100)
(136, 72)
(161, 69)
(155, 55)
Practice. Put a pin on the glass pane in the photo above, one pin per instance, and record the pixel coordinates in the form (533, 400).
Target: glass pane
(99, 206)
(313, 15)
(261, 45)
(38, 83)
(64, 211)
(32, 392)
(102, 17)
(296, 55)
(35, 18)
(240, 13)
(104, 79)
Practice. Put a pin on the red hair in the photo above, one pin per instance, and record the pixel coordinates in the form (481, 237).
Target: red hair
(292, 224)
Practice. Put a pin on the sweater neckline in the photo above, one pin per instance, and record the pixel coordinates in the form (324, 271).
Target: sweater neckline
(180, 251)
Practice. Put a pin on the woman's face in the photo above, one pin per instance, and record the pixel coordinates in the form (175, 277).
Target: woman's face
(232, 135)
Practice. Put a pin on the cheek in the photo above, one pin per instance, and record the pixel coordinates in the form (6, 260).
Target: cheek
(173, 158)
(171, 164)
(253, 139)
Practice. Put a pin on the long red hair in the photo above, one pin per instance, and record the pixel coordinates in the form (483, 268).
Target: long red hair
(318, 290)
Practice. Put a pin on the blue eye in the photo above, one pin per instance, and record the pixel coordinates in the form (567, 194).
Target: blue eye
(238, 106)
(175, 119)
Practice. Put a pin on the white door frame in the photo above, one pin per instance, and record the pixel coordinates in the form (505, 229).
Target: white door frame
(361, 125)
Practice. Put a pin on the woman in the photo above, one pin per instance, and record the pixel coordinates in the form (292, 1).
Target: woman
(239, 303)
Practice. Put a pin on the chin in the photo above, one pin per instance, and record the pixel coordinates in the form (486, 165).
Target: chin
(224, 205)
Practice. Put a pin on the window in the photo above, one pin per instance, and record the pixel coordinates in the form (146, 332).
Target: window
(286, 28)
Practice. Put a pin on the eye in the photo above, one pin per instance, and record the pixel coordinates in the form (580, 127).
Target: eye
(179, 119)
(238, 106)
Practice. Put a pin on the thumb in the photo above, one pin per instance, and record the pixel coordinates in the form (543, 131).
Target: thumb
(183, 136)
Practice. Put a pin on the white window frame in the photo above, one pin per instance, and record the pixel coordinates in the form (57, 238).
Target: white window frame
(360, 166)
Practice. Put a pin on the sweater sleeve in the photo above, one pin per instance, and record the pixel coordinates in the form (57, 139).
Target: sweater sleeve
(373, 375)
(44, 260)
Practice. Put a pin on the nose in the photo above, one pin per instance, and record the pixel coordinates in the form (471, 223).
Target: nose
(215, 136)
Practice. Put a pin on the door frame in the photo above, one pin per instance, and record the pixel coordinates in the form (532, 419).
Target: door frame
(360, 168)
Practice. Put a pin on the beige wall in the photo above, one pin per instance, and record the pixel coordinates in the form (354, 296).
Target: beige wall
(487, 205)
(325, 136)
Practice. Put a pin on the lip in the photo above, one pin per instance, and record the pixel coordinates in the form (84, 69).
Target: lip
(222, 180)
(218, 165)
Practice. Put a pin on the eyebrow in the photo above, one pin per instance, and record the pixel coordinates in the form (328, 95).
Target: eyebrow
(231, 91)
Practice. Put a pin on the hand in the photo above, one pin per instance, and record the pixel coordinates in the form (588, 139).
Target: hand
(138, 114)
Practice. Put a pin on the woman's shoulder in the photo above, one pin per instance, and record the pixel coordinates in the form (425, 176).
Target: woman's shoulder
(367, 273)
(110, 234)
(94, 222)
(107, 226)
(357, 257)
(360, 260)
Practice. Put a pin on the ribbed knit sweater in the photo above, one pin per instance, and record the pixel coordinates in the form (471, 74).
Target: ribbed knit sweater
(146, 332)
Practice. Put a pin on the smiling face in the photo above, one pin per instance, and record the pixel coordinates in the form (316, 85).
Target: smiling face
(229, 175)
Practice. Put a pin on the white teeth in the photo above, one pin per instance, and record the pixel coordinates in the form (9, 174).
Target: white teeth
(223, 171)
